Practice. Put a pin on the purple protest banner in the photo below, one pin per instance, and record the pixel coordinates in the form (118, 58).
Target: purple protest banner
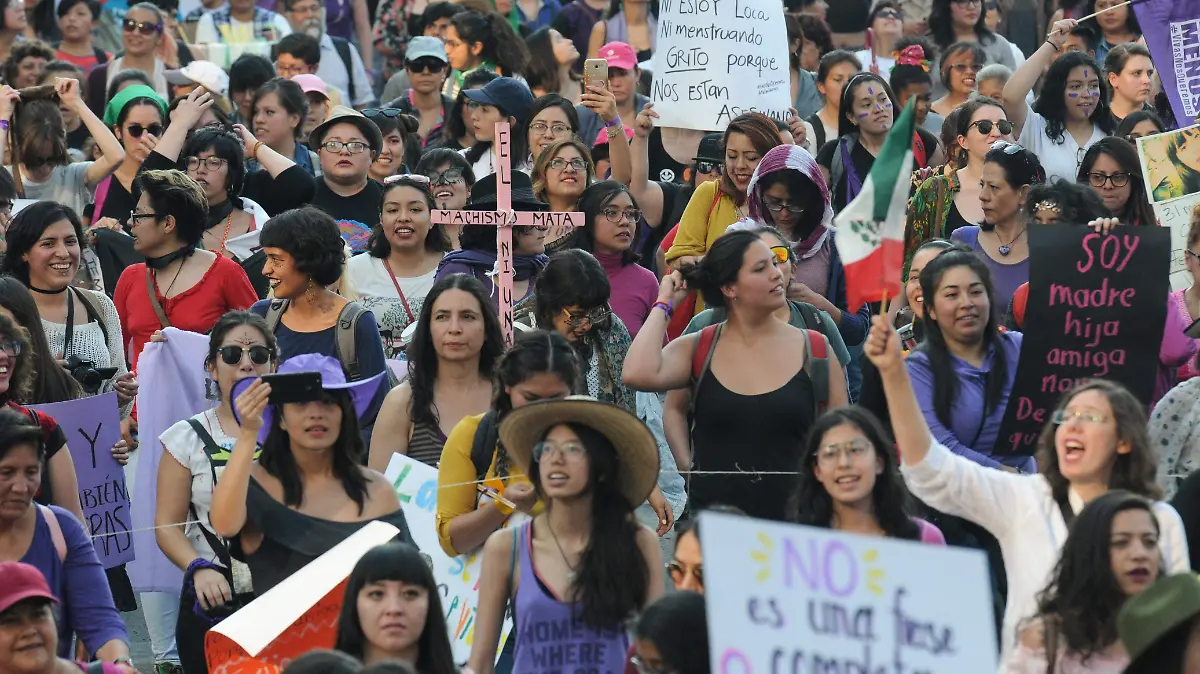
(92, 426)
(1171, 29)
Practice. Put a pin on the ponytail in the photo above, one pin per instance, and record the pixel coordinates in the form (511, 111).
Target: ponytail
(719, 267)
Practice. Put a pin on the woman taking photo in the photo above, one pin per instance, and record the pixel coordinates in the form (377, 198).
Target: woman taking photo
(1009, 171)
(1110, 555)
(450, 182)
(610, 226)
(502, 99)
(1095, 441)
(451, 361)
(1130, 75)
(949, 200)
(551, 61)
(136, 117)
(304, 252)
(197, 450)
(1071, 112)
(53, 540)
(278, 110)
(477, 41)
(739, 384)
(540, 365)
(584, 558)
(260, 503)
(551, 118)
(952, 21)
(849, 481)
(960, 65)
(835, 70)
(392, 611)
(402, 258)
(1111, 167)
(717, 204)
(178, 285)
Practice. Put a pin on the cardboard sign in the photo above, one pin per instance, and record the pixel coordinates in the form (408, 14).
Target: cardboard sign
(1096, 309)
(789, 598)
(457, 577)
(296, 616)
(92, 426)
(717, 59)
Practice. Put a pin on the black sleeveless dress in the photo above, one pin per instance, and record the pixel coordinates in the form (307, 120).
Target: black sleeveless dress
(749, 433)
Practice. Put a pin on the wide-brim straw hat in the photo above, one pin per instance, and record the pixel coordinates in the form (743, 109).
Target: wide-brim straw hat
(637, 450)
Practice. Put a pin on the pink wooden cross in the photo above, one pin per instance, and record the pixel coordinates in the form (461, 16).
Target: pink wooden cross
(503, 218)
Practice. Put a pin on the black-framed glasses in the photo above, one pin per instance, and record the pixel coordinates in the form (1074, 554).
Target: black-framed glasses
(353, 147)
(210, 163)
(778, 206)
(617, 215)
(143, 27)
(136, 130)
(557, 129)
(390, 113)
(560, 164)
(1118, 179)
(678, 572)
(1193, 254)
(134, 216)
(451, 176)
(233, 354)
(985, 126)
(709, 167)
(426, 64)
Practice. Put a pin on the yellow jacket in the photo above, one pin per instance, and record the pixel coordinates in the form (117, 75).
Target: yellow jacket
(698, 230)
(457, 493)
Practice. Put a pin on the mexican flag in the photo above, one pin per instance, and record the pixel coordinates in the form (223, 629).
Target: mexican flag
(869, 232)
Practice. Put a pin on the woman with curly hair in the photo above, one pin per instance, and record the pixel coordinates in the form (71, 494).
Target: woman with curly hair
(1072, 111)
(1110, 555)
(25, 63)
(561, 173)
(849, 481)
(304, 257)
(454, 351)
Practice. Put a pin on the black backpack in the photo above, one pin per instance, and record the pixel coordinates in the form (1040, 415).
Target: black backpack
(483, 447)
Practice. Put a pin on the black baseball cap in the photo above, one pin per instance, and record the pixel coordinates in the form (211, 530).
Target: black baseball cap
(511, 96)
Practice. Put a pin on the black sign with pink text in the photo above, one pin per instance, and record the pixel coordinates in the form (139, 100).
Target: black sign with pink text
(1096, 309)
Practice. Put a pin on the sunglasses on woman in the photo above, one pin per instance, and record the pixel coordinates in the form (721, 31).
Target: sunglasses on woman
(143, 27)
(593, 317)
(985, 126)
(232, 355)
(967, 67)
(783, 254)
(709, 167)
(451, 176)
(136, 130)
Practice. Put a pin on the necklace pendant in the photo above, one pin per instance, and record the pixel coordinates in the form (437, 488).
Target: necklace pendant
(1005, 250)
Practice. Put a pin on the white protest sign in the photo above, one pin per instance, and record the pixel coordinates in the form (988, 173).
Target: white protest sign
(716, 59)
(457, 577)
(1172, 190)
(784, 597)
(1177, 215)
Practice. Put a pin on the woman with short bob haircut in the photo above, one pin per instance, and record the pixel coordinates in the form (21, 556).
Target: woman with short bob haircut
(393, 582)
(1094, 441)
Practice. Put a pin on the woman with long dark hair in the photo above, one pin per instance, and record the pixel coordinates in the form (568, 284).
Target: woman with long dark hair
(392, 610)
(551, 118)
(835, 70)
(476, 41)
(551, 65)
(953, 21)
(740, 385)
(1139, 124)
(260, 503)
(849, 481)
(1009, 172)
(1095, 440)
(1111, 167)
(672, 635)
(402, 259)
(502, 99)
(583, 560)
(196, 451)
(1071, 112)
(451, 360)
(540, 365)
(457, 132)
(610, 224)
(1110, 555)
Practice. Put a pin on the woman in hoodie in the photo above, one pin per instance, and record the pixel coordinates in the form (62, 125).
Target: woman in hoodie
(477, 256)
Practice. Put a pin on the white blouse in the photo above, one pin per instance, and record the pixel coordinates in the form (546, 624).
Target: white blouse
(87, 339)
(368, 282)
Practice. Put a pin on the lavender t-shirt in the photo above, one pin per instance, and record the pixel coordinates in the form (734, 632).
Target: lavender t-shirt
(1006, 278)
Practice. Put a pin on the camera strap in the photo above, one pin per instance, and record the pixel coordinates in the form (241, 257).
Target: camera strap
(70, 323)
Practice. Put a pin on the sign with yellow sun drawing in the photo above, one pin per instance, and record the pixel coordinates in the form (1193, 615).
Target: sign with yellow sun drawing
(790, 599)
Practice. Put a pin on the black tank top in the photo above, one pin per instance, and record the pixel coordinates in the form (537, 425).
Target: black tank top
(735, 432)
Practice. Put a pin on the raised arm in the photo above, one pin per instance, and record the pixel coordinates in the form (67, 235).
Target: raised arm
(8, 100)
(114, 153)
(649, 194)
(271, 161)
(228, 512)
(649, 366)
(184, 117)
(603, 103)
(1022, 81)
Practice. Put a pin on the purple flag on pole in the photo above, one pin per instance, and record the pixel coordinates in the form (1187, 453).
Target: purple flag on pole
(92, 426)
(1172, 32)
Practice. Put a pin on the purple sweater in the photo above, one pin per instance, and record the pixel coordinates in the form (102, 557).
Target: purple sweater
(634, 290)
(79, 583)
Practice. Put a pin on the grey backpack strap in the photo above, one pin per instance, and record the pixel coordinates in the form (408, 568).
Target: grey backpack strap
(275, 313)
(347, 348)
